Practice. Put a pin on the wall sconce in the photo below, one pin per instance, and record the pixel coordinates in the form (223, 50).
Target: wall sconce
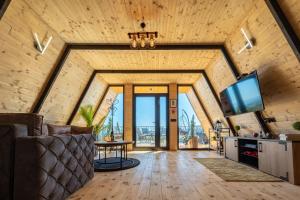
(39, 46)
(249, 43)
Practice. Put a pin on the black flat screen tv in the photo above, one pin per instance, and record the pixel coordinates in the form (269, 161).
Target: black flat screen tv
(242, 97)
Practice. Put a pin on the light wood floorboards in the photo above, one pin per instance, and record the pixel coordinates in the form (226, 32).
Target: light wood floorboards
(176, 175)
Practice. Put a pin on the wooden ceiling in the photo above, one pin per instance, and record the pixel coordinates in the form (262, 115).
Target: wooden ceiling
(177, 21)
(151, 60)
(162, 78)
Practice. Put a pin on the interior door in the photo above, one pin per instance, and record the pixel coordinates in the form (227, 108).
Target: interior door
(150, 121)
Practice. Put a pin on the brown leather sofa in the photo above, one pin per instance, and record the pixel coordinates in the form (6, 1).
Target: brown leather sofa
(42, 161)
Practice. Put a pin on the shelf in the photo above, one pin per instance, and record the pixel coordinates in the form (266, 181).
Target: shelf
(248, 147)
(249, 155)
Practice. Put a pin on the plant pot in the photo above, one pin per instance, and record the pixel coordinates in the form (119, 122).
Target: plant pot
(193, 142)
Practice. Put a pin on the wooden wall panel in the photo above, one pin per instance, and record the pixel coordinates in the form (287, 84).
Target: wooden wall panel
(199, 111)
(66, 90)
(291, 9)
(278, 68)
(23, 71)
(221, 77)
(209, 101)
(173, 125)
(128, 113)
(92, 97)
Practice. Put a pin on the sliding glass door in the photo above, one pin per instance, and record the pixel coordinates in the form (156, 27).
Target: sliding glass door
(150, 121)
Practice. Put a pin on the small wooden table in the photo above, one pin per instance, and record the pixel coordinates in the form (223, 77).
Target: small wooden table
(123, 147)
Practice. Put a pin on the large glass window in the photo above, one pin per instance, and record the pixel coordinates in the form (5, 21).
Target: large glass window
(113, 108)
(191, 133)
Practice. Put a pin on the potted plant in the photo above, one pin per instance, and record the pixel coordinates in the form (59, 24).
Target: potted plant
(237, 128)
(194, 138)
(296, 126)
(87, 113)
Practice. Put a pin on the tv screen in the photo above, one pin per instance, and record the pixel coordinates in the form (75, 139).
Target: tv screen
(242, 97)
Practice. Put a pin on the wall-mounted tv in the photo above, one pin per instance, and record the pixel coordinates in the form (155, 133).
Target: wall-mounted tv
(242, 97)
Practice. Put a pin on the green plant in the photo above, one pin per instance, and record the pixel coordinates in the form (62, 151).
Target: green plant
(192, 126)
(296, 126)
(99, 126)
(237, 127)
(87, 113)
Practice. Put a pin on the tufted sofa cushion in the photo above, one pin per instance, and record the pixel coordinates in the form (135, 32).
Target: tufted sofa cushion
(52, 167)
(8, 134)
(81, 130)
(58, 129)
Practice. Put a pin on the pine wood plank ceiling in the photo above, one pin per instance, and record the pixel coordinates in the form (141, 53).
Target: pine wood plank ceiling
(151, 60)
(177, 21)
(148, 78)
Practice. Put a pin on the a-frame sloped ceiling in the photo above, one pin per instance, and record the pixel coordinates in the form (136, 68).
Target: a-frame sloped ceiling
(24, 71)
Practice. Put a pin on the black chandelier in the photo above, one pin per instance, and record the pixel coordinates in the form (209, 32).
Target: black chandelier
(143, 39)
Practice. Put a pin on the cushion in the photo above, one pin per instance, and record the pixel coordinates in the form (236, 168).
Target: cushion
(58, 129)
(32, 121)
(81, 130)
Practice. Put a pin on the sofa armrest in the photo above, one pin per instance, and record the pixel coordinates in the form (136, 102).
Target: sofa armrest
(8, 134)
(52, 167)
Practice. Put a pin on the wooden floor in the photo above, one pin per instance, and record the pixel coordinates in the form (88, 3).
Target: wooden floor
(176, 175)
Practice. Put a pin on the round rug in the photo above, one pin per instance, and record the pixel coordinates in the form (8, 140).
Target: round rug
(113, 164)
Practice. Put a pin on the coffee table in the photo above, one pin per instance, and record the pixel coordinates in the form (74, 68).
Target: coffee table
(114, 163)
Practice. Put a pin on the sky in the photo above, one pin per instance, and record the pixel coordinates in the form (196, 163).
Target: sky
(146, 110)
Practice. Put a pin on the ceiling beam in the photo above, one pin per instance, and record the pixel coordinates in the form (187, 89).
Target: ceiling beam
(3, 7)
(166, 47)
(285, 26)
(51, 80)
(166, 71)
(97, 46)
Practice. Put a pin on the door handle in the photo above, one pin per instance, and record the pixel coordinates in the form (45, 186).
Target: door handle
(260, 147)
(235, 143)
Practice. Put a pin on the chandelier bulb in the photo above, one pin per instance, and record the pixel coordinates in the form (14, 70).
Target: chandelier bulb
(151, 41)
(134, 43)
(143, 42)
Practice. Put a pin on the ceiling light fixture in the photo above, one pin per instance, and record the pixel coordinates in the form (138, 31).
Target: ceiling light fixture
(143, 39)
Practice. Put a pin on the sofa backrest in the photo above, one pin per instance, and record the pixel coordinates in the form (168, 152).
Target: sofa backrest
(33, 121)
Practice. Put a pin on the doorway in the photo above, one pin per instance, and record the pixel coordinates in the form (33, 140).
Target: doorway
(150, 121)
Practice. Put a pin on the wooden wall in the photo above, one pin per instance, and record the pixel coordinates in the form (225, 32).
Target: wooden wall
(209, 101)
(92, 97)
(278, 69)
(23, 71)
(128, 113)
(199, 111)
(66, 90)
(173, 125)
